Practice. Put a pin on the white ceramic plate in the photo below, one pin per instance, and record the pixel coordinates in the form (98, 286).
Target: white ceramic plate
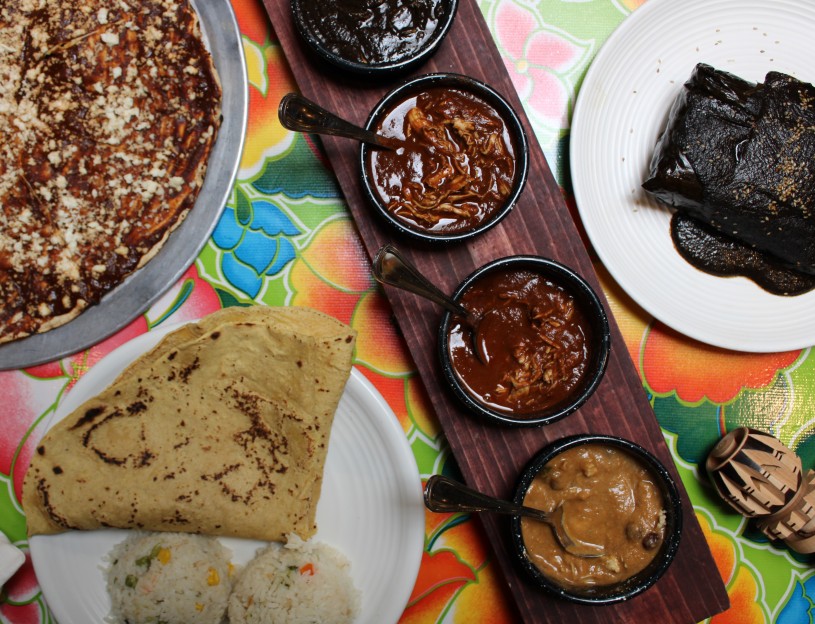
(621, 109)
(370, 508)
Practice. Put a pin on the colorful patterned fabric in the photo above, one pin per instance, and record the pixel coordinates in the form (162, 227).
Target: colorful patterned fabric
(287, 238)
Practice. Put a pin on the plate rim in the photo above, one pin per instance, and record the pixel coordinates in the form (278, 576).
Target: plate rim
(411, 542)
(145, 286)
(708, 330)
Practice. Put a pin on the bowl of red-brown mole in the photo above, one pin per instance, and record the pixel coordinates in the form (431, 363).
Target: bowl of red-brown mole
(615, 495)
(534, 347)
(463, 165)
(373, 38)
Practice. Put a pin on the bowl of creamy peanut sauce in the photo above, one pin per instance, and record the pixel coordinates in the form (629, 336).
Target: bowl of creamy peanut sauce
(615, 495)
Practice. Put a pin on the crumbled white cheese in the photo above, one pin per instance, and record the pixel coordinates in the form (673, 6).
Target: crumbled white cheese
(110, 38)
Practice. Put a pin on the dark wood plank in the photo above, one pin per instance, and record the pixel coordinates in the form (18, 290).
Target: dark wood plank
(490, 457)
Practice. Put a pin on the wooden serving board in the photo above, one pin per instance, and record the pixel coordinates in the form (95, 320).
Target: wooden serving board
(491, 458)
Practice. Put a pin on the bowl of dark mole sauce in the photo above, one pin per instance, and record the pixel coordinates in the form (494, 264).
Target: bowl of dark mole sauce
(534, 347)
(373, 39)
(617, 499)
(463, 165)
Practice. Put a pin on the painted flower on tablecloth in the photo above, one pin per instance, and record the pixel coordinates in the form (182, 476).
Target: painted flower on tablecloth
(800, 607)
(269, 79)
(254, 238)
(544, 64)
(253, 22)
(457, 574)
(743, 588)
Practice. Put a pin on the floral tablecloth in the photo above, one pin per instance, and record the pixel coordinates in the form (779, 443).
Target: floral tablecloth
(286, 238)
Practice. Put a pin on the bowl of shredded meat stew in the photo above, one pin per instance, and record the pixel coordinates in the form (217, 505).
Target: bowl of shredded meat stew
(534, 346)
(463, 163)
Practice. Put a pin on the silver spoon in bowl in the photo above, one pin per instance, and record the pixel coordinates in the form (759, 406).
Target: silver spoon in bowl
(392, 268)
(300, 114)
(443, 494)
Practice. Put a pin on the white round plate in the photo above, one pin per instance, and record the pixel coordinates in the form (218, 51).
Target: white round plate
(622, 108)
(370, 508)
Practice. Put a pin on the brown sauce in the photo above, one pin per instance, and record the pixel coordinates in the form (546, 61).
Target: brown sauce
(373, 32)
(458, 168)
(531, 348)
(717, 254)
(610, 499)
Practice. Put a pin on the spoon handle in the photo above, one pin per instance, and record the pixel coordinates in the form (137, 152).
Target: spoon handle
(302, 115)
(444, 494)
(392, 268)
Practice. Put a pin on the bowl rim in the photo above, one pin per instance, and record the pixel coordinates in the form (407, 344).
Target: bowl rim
(634, 585)
(375, 70)
(479, 88)
(577, 286)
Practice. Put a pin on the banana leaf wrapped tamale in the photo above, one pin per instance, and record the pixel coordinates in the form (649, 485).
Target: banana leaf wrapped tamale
(738, 157)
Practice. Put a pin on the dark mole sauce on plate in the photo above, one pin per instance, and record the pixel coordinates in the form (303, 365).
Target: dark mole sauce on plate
(531, 347)
(457, 169)
(706, 249)
(372, 32)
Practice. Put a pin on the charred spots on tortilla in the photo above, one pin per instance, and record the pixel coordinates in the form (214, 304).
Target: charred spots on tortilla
(57, 470)
(215, 335)
(41, 450)
(146, 458)
(108, 459)
(136, 408)
(89, 416)
(172, 355)
(45, 496)
(299, 363)
(188, 370)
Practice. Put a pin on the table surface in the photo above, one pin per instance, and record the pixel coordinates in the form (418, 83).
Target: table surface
(287, 238)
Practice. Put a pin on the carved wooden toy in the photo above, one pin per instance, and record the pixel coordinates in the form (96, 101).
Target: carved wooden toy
(762, 479)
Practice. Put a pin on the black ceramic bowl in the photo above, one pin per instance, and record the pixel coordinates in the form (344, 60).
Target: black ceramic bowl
(597, 332)
(513, 129)
(336, 43)
(641, 581)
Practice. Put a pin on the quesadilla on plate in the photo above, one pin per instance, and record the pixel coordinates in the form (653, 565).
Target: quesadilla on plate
(221, 429)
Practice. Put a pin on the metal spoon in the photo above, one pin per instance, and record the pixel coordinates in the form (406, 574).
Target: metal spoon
(302, 115)
(446, 495)
(392, 268)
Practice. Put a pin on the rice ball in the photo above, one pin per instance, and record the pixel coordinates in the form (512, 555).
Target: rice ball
(174, 578)
(300, 582)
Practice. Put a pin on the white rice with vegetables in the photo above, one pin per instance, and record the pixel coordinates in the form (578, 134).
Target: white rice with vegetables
(297, 583)
(169, 578)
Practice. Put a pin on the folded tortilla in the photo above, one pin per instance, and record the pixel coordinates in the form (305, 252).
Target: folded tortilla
(220, 429)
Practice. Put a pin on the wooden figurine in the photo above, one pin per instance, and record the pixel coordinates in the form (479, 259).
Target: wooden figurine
(762, 479)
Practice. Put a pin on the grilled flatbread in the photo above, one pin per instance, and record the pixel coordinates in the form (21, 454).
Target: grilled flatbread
(220, 429)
